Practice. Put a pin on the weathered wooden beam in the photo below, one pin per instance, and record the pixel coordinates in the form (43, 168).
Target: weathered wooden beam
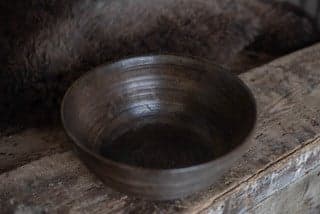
(251, 194)
(29, 145)
(286, 147)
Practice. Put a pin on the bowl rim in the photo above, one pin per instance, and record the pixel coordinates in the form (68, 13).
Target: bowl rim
(230, 155)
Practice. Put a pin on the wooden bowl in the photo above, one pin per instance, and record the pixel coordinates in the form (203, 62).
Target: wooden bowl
(161, 127)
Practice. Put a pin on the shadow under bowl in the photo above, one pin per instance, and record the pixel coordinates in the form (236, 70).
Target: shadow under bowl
(161, 127)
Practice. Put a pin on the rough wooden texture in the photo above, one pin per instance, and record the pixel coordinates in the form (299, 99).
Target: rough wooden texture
(29, 145)
(299, 197)
(288, 98)
(267, 185)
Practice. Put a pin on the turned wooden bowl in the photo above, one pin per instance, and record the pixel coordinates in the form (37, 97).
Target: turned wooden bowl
(161, 127)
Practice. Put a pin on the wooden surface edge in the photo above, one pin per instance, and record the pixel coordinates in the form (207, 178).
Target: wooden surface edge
(273, 178)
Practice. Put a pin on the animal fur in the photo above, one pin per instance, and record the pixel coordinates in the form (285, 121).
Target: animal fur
(47, 44)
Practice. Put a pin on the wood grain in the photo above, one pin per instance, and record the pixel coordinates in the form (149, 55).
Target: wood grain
(288, 97)
(31, 144)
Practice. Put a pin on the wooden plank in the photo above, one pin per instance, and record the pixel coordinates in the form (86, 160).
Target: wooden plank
(61, 184)
(28, 145)
(302, 196)
(267, 187)
(288, 96)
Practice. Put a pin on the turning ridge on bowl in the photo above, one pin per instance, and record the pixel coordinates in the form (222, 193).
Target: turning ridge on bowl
(161, 127)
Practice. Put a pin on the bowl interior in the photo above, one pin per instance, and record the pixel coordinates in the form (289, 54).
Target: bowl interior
(159, 112)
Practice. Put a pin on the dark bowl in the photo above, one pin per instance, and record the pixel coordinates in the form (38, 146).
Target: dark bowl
(161, 127)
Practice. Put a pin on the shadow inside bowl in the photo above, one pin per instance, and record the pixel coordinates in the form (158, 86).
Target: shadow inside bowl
(163, 146)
